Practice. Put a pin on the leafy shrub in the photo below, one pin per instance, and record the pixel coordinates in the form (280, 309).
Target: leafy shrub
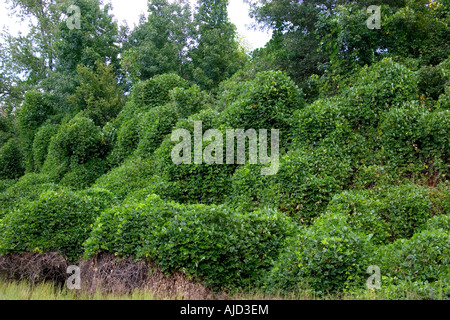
(361, 209)
(267, 102)
(406, 208)
(192, 183)
(155, 92)
(57, 221)
(223, 248)
(35, 110)
(82, 176)
(307, 179)
(189, 101)
(154, 126)
(395, 289)
(11, 160)
(127, 139)
(318, 120)
(231, 89)
(5, 184)
(7, 129)
(250, 189)
(378, 88)
(390, 213)
(372, 176)
(134, 174)
(424, 257)
(98, 93)
(328, 256)
(412, 133)
(431, 81)
(27, 188)
(439, 222)
(444, 100)
(41, 143)
(79, 142)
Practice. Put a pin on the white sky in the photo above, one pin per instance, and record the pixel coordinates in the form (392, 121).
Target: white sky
(130, 10)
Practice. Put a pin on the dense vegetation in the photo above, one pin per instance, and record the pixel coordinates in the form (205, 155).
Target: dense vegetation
(364, 119)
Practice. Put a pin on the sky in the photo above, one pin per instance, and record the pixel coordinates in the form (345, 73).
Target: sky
(130, 10)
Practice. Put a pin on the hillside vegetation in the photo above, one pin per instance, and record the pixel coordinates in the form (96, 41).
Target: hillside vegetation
(364, 152)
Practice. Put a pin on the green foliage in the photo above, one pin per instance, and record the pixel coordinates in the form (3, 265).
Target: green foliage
(126, 136)
(307, 180)
(155, 91)
(439, 222)
(412, 132)
(134, 174)
(87, 45)
(41, 143)
(158, 44)
(98, 93)
(27, 188)
(217, 55)
(377, 89)
(7, 129)
(361, 208)
(223, 248)
(266, 102)
(424, 257)
(189, 101)
(154, 126)
(318, 120)
(328, 256)
(35, 110)
(431, 81)
(12, 164)
(193, 183)
(78, 143)
(57, 221)
(388, 214)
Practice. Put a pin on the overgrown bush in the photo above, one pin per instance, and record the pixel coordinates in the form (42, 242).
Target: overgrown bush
(307, 179)
(361, 208)
(424, 257)
(266, 102)
(192, 183)
(57, 221)
(41, 143)
(35, 110)
(413, 133)
(134, 174)
(225, 249)
(79, 143)
(155, 91)
(189, 101)
(388, 214)
(27, 188)
(318, 120)
(378, 88)
(327, 257)
(12, 164)
(154, 126)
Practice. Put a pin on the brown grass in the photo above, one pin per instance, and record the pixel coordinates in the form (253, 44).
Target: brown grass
(107, 274)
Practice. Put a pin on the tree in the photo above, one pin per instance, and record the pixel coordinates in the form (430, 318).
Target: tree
(216, 55)
(159, 44)
(98, 93)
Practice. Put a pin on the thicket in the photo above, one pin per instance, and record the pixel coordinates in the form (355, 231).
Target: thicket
(362, 180)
